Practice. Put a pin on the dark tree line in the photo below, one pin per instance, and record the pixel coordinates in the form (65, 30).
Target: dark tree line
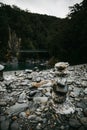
(65, 39)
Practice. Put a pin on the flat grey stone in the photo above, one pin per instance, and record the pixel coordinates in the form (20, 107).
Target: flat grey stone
(17, 108)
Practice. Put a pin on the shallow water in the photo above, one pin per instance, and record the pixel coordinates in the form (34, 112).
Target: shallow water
(24, 65)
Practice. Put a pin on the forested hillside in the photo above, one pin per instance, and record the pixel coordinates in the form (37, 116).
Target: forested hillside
(65, 39)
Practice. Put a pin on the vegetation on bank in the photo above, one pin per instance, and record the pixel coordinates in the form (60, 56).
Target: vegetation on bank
(65, 39)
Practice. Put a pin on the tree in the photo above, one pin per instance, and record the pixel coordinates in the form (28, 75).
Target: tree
(13, 44)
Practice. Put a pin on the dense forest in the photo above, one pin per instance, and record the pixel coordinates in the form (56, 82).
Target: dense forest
(65, 39)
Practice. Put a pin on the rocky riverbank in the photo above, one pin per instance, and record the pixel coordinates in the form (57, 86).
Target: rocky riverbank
(44, 100)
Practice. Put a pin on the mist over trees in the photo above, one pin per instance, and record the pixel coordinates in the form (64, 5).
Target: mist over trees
(65, 39)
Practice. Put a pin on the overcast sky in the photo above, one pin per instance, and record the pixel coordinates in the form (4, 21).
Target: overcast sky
(58, 8)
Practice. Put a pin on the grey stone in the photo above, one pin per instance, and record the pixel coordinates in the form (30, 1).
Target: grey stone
(22, 115)
(15, 126)
(17, 108)
(85, 112)
(29, 77)
(38, 79)
(2, 89)
(84, 121)
(3, 103)
(81, 105)
(1, 72)
(22, 97)
(61, 65)
(28, 71)
(32, 93)
(81, 128)
(85, 91)
(60, 89)
(59, 98)
(40, 99)
(74, 123)
(1, 67)
(5, 124)
(32, 117)
(38, 127)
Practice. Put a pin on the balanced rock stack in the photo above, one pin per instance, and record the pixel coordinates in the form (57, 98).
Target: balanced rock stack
(59, 92)
(61, 68)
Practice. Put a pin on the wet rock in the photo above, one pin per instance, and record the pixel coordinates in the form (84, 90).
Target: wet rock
(32, 93)
(28, 71)
(85, 91)
(3, 104)
(38, 127)
(84, 100)
(65, 108)
(17, 108)
(74, 123)
(32, 117)
(60, 69)
(1, 72)
(36, 69)
(38, 113)
(29, 77)
(59, 92)
(81, 105)
(48, 94)
(62, 73)
(5, 125)
(58, 98)
(82, 128)
(14, 126)
(60, 89)
(84, 121)
(62, 127)
(22, 97)
(14, 118)
(61, 65)
(2, 89)
(42, 100)
(22, 115)
(1, 67)
(85, 112)
(38, 79)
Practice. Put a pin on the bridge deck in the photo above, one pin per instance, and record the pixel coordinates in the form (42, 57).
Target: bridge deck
(33, 51)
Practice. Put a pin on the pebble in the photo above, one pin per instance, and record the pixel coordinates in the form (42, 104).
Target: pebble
(42, 100)
(85, 112)
(85, 91)
(84, 121)
(3, 104)
(74, 123)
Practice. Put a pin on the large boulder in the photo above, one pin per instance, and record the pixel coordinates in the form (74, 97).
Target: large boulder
(1, 72)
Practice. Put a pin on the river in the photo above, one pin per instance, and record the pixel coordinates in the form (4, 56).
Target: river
(24, 65)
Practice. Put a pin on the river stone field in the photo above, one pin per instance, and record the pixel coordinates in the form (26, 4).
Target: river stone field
(52, 99)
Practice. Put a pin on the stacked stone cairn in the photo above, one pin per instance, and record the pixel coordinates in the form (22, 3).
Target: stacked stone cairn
(61, 68)
(60, 89)
(59, 92)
